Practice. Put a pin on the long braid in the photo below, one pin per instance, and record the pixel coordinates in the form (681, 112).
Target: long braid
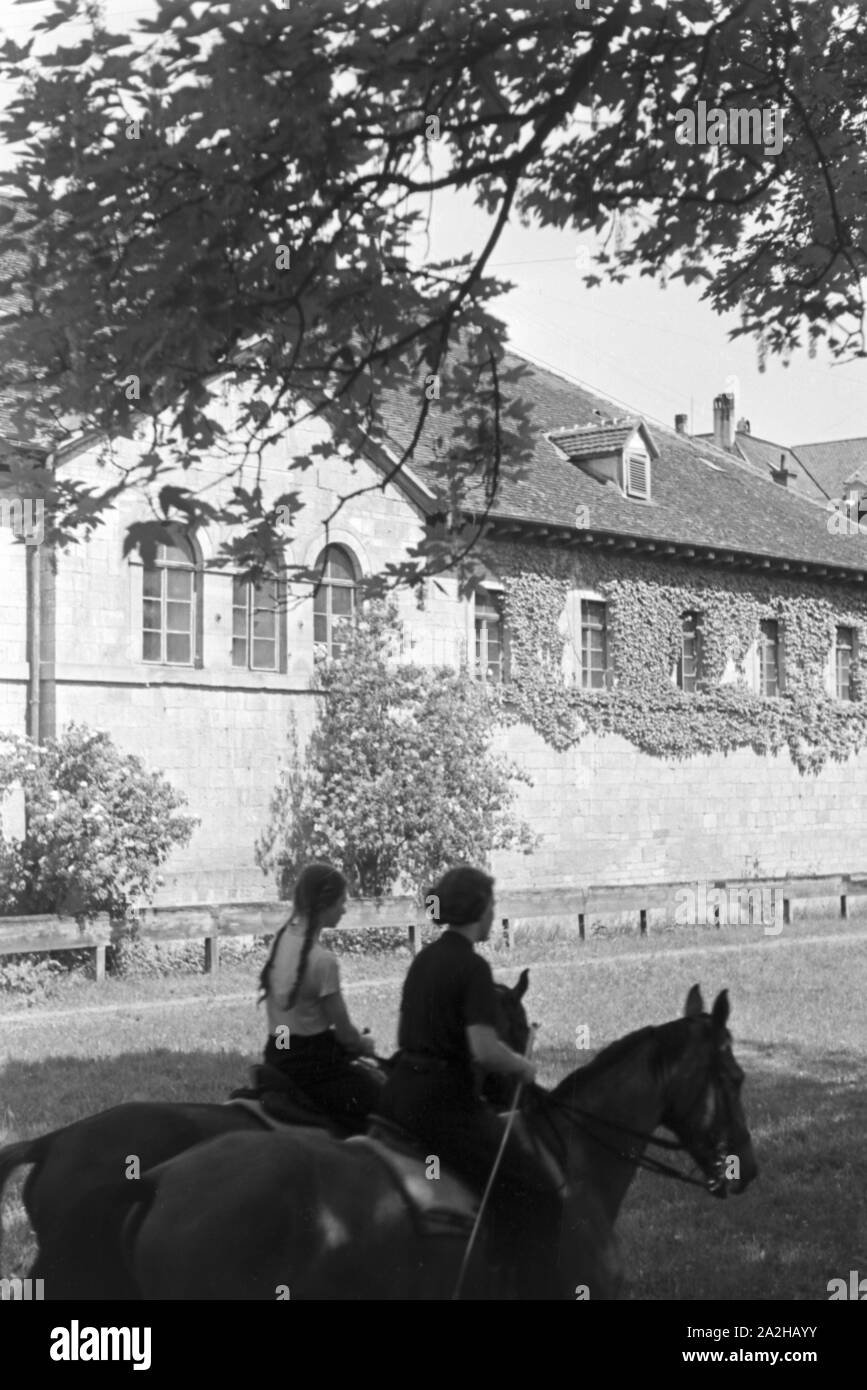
(309, 935)
(265, 976)
(318, 887)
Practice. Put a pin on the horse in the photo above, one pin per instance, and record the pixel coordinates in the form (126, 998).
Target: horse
(79, 1252)
(295, 1215)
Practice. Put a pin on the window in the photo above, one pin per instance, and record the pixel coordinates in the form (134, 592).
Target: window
(770, 682)
(689, 660)
(170, 606)
(844, 649)
(594, 645)
(256, 622)
(489, 636)
(334, 601)
(638, 476)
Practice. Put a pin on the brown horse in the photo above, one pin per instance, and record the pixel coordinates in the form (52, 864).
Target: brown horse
(296, 1215)
(79, 1252)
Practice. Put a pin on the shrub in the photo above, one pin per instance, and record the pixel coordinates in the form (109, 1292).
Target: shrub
(32, 976)
(135, 960)
(99, 825)
(399, 780)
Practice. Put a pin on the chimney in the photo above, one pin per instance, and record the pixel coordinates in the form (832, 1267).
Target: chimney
(782, 474)
(680, 424)
(743, 426)
(723, 410)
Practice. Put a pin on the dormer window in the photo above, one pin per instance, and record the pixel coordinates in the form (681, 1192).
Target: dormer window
(618, 452)
(637, 476)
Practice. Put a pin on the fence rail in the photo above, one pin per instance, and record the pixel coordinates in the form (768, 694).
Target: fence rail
(211, 924)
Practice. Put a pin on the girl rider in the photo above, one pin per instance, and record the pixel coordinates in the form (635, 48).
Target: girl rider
(312, 1039)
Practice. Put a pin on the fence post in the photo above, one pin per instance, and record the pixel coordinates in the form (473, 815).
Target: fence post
(211, 961)
(506, 934)
(581, 926)
(99, 963)
(413, 934)
(212, 954)
(642, 922)
(787, 911)
(844, 906)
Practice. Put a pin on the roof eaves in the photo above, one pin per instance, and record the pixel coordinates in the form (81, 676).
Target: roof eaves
(665, 547)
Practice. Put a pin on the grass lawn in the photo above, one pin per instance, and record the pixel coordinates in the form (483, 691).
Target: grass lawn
(800, 1031)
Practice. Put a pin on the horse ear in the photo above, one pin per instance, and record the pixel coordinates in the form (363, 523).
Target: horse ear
(694, 1003)
(520, 989)
(720, 1013)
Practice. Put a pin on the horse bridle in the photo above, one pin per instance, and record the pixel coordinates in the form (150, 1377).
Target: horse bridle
(583, 1118)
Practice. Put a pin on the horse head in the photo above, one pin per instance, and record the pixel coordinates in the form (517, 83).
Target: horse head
(702, 1104)
(514, 1029)
(514, 1026)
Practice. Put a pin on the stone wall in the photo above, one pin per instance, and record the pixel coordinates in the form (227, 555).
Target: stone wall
(606, 813)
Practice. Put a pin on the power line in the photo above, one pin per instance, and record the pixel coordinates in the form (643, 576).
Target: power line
(588, 386)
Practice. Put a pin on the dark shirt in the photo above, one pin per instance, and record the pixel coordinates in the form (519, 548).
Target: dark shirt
(448, 988)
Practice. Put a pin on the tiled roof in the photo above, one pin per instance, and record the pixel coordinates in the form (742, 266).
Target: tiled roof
(765, 453)
(589, 441)
(820, 469)
(832, 461)
(730, 506)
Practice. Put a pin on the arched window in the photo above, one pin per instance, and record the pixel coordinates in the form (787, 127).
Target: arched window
(335, 599)
(489, 635)
(170, 603)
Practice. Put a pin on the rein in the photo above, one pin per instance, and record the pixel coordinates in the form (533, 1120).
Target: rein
(646, 1161)
(581, 1118)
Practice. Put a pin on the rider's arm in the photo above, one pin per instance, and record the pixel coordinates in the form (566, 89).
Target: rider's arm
(336, 1012)
(493, 1055)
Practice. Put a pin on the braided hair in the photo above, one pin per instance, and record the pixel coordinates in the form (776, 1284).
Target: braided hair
(319, 887)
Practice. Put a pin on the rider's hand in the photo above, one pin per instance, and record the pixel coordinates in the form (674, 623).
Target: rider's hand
(528, 1072)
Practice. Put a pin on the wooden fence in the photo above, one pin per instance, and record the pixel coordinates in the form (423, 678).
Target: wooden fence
(211, 924)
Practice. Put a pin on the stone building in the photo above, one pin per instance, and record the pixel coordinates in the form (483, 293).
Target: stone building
(679, 633)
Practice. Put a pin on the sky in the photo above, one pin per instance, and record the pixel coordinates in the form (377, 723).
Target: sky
(653, 351)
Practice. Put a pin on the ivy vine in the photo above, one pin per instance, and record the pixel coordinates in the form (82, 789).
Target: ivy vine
(646, 600)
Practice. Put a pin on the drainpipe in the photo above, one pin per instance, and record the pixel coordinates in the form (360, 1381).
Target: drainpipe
(39, 564)
(47, 642)
(34, 638)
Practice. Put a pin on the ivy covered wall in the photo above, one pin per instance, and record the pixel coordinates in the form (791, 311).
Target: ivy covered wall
(646, 598)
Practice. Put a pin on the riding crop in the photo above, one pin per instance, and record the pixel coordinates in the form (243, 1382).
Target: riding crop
(494, 1170)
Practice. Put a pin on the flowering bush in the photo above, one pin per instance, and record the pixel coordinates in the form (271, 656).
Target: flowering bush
(99, 825)
(30, 976)
(399, 780)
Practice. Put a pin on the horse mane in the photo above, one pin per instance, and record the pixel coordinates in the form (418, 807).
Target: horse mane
(669, 1042)
(608, 1057)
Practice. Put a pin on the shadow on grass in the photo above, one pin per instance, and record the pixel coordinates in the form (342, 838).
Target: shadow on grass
(39, 1096)
(802, 1223)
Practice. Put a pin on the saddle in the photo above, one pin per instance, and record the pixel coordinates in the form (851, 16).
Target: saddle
(445, 1206)
(271, 1091)
(449, 1204)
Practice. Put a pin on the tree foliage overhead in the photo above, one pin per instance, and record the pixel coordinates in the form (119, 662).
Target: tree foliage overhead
(244, 186)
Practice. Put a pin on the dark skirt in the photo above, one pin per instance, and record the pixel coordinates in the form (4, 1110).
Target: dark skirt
(328, 1074)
